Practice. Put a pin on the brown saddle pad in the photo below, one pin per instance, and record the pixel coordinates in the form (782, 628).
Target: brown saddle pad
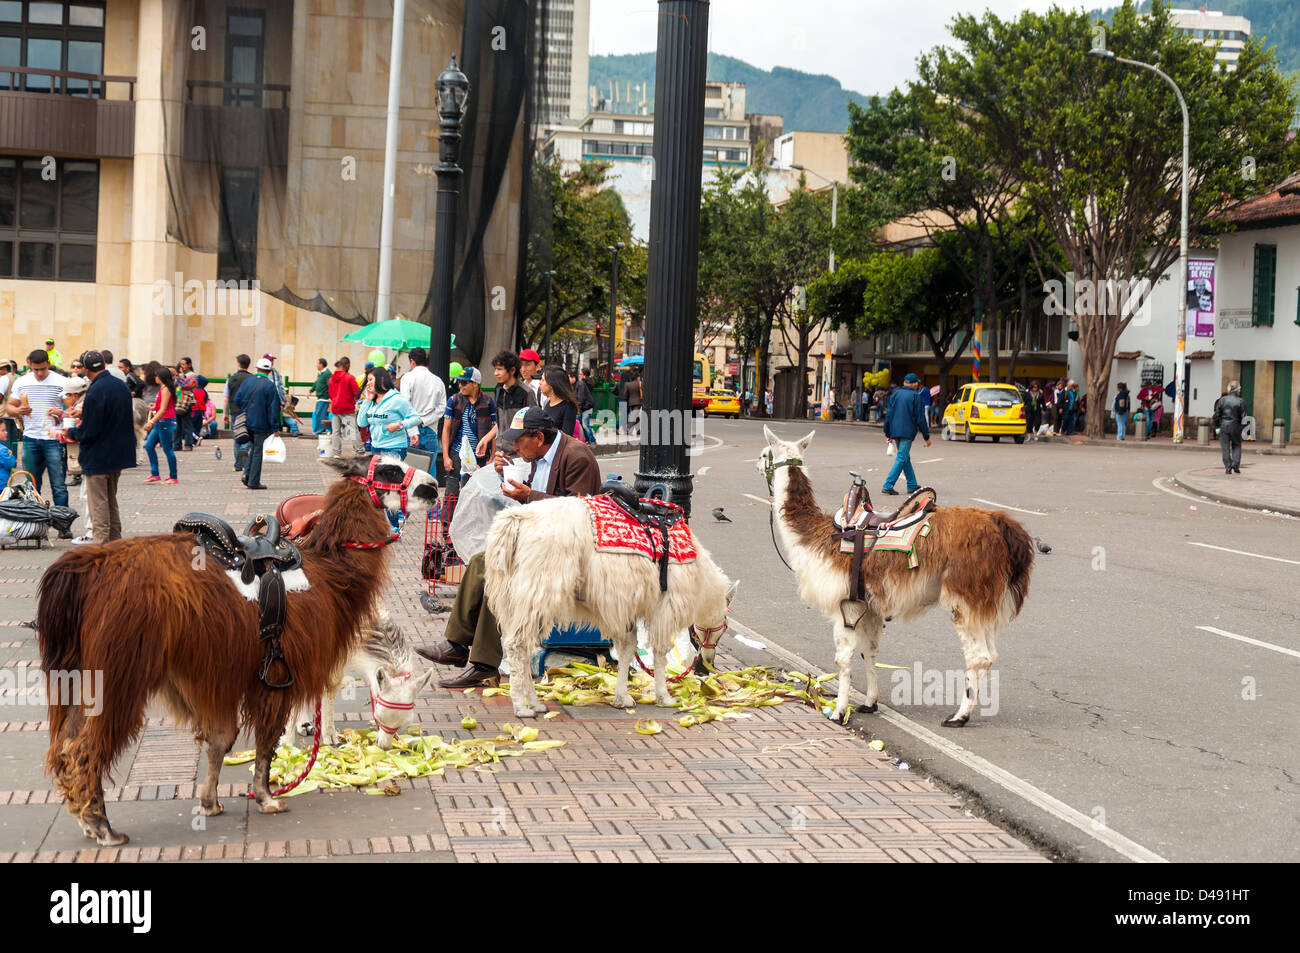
(299, 513)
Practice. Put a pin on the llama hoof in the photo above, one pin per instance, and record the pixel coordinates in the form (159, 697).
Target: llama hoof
(271, 806)
(211, 810)
(112, 839)
(666, 702)
(525, 713)
(329, 738)
(307, 729)
(839, 714)
(870, 709)
(955, 722)
(623, 701)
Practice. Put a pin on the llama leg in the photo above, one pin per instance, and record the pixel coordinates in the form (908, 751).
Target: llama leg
(979, 658)
(625, 643)
(522, 690)
(869, 630)
(328, 736)
(220, 741)
(85, 792)
(266, 739)
(845, 642)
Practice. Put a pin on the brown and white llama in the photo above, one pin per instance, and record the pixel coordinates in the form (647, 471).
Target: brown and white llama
(976, 563)
(542, 567)
(160, 624)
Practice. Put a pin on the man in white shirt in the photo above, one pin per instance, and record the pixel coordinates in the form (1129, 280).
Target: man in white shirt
(37, 397)
(111, 366)
(427, 395)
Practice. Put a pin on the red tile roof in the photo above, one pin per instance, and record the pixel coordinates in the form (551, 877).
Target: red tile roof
(1282, 202)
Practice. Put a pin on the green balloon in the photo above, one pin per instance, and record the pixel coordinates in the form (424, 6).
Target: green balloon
(456, 369)
(377, 358)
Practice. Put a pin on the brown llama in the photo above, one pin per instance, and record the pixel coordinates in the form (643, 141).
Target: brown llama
(976, 563)
(160, 622)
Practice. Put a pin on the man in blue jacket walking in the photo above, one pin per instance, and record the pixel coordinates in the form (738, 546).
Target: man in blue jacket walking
(904, 418)
(258, 398)
(105, 428)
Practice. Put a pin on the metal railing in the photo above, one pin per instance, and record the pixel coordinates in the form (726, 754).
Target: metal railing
(254, 92)
(84, 85)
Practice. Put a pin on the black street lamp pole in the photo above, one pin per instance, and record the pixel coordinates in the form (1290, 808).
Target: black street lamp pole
(453, 95)
(546, 343)
(613, 303)
(674, 246)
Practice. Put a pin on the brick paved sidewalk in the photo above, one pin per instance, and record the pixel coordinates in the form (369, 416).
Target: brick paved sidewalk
(784, 784)
(1272, 484)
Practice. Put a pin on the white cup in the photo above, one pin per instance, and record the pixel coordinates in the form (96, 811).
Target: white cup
(515, 471)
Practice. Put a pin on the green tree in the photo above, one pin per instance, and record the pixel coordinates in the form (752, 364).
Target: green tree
(1096, 146)
(575, 219)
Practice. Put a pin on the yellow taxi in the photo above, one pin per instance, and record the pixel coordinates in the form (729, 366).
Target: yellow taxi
(991, 410)
(723, 403)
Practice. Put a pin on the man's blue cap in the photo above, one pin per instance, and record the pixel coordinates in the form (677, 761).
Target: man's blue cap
(911, 379)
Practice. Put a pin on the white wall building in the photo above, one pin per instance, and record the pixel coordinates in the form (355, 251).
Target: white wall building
(1229, 32)
(562, 89)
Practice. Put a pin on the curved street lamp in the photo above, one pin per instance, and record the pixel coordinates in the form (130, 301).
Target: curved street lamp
(1180, 372)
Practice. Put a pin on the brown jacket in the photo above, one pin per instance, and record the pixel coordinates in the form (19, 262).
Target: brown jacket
(574, 471)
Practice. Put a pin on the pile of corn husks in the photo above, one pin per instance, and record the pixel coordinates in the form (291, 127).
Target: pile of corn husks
(701, 699)
(359, 762)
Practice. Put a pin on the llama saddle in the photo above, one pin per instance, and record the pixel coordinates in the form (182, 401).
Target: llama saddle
(262, 566)
(654, 530)
(899, 531)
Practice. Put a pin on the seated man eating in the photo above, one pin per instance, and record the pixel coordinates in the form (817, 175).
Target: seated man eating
(564, 467)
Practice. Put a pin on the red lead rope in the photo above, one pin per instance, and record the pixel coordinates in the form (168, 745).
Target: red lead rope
(310, 764)
(706, 642)
(392, 539)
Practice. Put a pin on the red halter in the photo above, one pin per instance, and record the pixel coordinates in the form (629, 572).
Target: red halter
(378, 700)
(374, 486)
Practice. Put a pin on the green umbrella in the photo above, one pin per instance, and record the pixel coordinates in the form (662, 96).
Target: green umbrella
(398, 334)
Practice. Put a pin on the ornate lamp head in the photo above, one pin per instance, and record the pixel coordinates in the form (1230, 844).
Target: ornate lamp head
(453, 92)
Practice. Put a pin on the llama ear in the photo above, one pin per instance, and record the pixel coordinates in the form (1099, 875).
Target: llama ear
(771, 437)
(425, 681)
(731, 591)
(803, 444)
(348, 466)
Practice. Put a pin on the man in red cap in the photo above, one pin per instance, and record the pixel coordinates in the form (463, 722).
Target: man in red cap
(530, 365)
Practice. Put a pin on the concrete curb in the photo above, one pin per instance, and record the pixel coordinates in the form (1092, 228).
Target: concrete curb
(1192, 486)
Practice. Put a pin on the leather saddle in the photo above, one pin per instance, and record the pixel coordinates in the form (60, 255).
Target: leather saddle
(654, 514)
(857, 521)
(260, 556)
(298, 514)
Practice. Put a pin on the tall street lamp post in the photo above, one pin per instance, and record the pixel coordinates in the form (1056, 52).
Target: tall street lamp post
(613, 302)
(453, 97)
(1180, 371)
(674, 246)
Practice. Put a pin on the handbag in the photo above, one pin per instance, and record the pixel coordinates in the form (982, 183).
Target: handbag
(240, 429)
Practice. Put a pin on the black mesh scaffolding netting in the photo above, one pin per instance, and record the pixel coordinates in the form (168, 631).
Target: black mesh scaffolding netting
(274, 127)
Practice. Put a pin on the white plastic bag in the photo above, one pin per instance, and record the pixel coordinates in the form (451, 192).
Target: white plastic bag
(890, 449)
(323, 446)
(479, 502)
(273, 450)
(468, 464)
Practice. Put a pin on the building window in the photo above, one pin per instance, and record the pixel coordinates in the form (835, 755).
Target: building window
(63, 37)
(1263, 290)
(237, 246)
(48, 218)
(244, 32)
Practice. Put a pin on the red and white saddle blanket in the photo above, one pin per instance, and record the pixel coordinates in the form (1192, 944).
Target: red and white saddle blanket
(617, 532)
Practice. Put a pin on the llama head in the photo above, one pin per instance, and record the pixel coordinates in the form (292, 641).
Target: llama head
(778, 451)
(421, 492)
(711, 622)
(393, 697)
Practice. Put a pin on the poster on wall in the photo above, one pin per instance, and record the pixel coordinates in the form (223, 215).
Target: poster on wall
(1200, 298)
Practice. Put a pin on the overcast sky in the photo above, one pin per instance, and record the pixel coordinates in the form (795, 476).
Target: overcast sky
(870, 46)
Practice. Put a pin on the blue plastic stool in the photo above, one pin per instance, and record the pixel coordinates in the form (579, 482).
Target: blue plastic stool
(578, 639)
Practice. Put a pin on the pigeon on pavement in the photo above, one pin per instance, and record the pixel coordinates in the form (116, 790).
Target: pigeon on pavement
(1042, 546)
(719, 516)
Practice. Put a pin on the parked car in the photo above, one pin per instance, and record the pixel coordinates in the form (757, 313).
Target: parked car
(722, 403)
(994, 410)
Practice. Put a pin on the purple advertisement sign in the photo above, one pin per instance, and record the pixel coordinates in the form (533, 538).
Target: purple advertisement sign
(1200, 298)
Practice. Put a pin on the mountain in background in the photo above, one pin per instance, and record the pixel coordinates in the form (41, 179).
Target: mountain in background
(1276, 21)
(806, 101)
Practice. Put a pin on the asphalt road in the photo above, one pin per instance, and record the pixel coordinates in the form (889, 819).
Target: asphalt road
(1112, 699)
